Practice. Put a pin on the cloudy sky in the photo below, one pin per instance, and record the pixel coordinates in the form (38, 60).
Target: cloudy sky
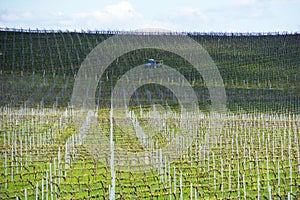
(175, 15)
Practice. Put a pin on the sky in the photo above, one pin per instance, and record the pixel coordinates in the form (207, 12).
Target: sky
(174, 15)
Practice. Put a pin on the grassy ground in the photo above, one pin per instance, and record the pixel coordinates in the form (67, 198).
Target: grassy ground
(39, 68)
(254, 155)
(255, 151)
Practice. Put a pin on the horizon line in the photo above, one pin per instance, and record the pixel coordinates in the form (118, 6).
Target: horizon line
(158, 32)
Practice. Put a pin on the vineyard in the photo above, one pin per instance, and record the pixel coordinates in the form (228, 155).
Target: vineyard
(50, 150)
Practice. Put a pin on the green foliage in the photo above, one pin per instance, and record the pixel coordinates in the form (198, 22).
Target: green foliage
(256, 153)
(39, 68)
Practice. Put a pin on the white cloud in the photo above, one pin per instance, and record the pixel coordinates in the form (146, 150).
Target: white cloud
(121, 11)
(239, 15)
(7, 17)
(28, 16)
(114, 16)
(191, 13)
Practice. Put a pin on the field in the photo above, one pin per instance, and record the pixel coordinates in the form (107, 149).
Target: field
(49, 150)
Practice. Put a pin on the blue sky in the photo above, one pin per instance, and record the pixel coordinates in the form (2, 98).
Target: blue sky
(175, 15)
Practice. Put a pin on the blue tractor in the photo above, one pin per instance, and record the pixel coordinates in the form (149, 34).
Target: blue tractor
(154, 63)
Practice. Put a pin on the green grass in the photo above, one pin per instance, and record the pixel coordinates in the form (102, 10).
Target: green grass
(257, 148)
(39, 68)
(241, 146)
